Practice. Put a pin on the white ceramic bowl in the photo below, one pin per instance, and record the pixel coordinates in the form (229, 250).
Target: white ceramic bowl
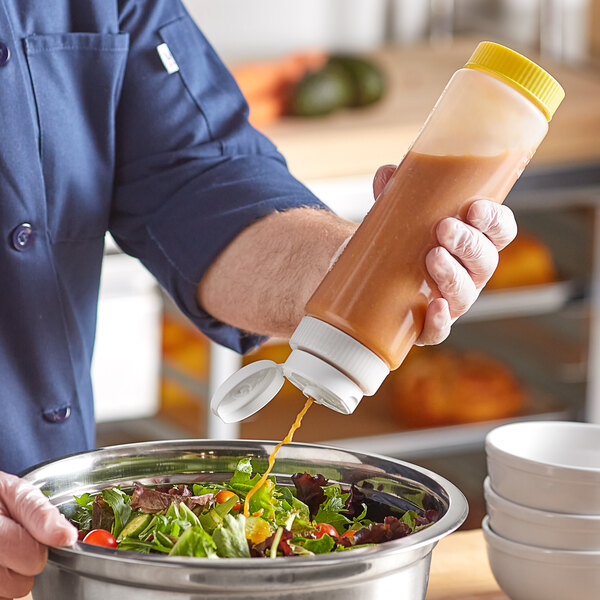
(531, 573)
(549, 465)
(539, 527)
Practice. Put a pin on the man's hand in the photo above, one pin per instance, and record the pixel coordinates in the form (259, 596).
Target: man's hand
(463, 262)
(28, 523)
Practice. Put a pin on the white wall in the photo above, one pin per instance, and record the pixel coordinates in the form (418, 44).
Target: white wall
(249, 29)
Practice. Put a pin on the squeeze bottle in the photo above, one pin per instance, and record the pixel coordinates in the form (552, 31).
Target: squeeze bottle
(369, 309)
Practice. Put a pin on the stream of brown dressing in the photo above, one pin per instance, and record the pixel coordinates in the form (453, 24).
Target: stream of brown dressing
(288, 438)
(379, 289)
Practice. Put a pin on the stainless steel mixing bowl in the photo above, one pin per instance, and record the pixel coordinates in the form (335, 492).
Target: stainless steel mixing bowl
(397, 569)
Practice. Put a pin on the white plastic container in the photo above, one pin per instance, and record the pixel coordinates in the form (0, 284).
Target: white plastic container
(370, 308)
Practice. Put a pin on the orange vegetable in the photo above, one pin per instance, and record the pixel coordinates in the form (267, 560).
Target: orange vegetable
(225, 495)
(267, 84)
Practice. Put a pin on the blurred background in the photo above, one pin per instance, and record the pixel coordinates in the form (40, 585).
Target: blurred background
(529, 348)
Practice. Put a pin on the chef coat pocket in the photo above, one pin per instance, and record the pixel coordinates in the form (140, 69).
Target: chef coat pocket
(212, 88)
(77, 79)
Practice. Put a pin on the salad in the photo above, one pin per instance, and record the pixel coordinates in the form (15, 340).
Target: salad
(207, 520)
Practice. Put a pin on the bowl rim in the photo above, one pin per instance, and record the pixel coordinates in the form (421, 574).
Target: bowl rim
(540, 517)
(579, 558)
(454, 517)
(529, 465)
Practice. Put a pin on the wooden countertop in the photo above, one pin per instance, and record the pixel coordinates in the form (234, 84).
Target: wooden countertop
(459, 570)
(356, 142)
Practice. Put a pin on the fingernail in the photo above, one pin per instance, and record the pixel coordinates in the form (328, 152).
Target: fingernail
(440, 267)
(69, 534)
(71, 538)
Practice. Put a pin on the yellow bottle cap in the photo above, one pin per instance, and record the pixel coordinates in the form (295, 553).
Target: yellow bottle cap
(519, 72)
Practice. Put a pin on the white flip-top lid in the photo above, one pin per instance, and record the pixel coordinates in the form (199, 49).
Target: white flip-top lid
(325, 364)
(247, 390)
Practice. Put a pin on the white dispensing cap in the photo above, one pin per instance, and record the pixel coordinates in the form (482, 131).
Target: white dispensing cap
(325, 364)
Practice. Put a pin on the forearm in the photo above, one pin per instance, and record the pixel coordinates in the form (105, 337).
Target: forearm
(263, 279)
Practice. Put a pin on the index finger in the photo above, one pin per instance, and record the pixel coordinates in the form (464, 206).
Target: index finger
(27, 505)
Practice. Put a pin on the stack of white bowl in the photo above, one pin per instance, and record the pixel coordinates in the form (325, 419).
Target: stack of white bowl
(543, 503)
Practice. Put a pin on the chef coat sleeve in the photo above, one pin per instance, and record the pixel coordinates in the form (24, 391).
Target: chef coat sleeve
(191, 172)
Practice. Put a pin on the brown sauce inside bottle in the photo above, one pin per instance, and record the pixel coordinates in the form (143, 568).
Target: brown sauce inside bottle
(378, 290)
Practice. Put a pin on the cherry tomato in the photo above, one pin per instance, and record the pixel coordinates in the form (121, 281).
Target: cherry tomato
(349, 534)
(325, 528)
(100, 537)
(224, 495)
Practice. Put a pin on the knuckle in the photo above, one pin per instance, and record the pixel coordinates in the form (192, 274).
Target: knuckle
(461, 236)
(462, 240)
(30, 504)
(470, 246)
(479, 214)
(452, 286)
(459, 295)
(503, 227)
(495, 222)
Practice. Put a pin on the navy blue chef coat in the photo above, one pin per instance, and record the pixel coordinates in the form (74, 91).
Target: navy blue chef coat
(97, 135)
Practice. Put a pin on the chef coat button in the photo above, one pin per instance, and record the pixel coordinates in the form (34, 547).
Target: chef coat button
(57, 415)
(22, 237)
(4, 53)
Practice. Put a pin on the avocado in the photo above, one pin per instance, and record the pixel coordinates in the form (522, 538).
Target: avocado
(367, 79)
(322, 92)
(344, 81)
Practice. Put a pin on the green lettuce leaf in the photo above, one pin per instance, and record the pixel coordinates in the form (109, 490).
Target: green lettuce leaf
(213, 488)
(409, 517)
(230, 539)
(336, 500)
(194, 542)
(120, 502)
(321, 546)
(242, 479)
(264, 498)
(360, 522)
(83, 514)
(290, 512)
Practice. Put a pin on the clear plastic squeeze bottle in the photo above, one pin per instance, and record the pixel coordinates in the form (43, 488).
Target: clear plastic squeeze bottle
(369, 309)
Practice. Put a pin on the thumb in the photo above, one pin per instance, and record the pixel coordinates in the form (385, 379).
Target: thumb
(382, 176)
(26, 505)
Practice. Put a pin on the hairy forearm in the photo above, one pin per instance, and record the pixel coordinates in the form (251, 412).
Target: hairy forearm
(264, 277)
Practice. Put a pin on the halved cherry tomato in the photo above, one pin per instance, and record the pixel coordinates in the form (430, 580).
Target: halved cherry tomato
(100, 537)
(224, 495)
(325, 528)
(349, 534)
